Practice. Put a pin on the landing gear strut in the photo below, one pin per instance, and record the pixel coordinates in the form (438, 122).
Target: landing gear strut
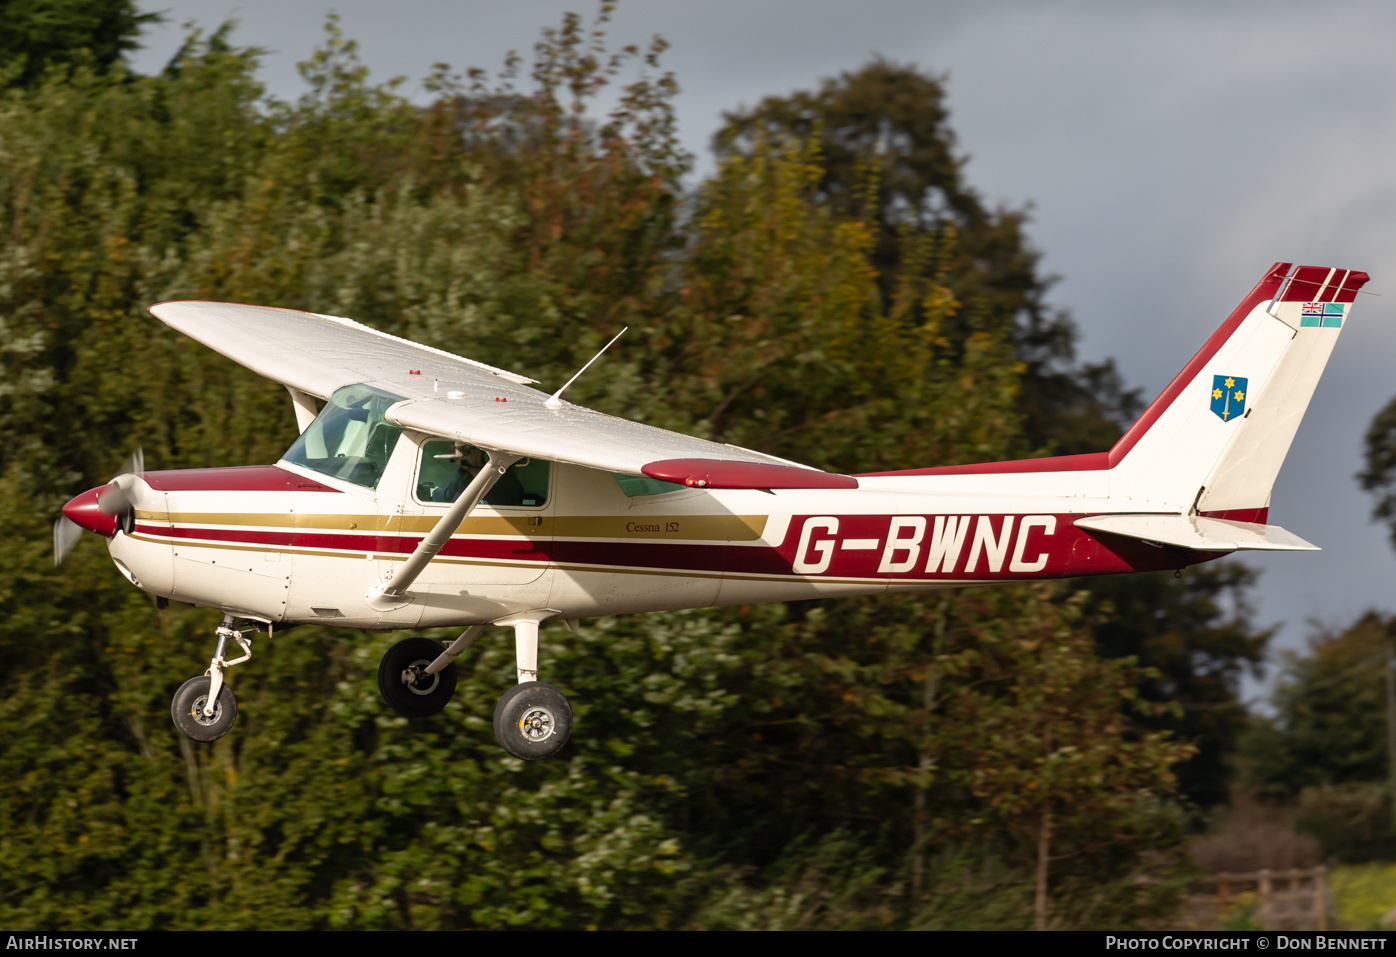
(203, 708)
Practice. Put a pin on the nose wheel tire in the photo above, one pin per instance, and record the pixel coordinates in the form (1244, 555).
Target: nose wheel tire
(404, 683)
(532, 720)
(187, 710)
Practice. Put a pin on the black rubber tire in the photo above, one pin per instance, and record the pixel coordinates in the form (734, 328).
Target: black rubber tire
(188, 705)
(406, 700)
(547, 711)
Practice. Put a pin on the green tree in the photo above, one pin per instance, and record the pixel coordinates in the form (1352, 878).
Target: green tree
(1378, 475)
(1197, 637)
(1329, 726)
(892, 160)
(38, 34)
(1048, 750)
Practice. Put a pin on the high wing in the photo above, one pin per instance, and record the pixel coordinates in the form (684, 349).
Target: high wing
(459, 398)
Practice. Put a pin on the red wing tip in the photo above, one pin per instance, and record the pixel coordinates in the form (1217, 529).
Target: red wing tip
(720, 473)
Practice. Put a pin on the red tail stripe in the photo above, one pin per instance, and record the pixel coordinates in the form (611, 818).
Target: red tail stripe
(1335, 282)
(1353, 282)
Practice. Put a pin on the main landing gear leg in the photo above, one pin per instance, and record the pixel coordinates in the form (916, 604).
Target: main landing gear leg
(532, 720)
(203, 708)
(417, 678)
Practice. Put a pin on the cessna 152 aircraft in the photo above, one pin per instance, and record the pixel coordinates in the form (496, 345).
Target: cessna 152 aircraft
(431, 490)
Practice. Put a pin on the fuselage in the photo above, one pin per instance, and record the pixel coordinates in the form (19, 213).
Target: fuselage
(287, 544)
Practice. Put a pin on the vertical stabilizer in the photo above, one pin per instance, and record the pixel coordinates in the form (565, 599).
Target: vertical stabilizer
(1217, 436)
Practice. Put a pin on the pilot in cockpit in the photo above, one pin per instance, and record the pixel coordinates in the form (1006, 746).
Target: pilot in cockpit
(469, 460)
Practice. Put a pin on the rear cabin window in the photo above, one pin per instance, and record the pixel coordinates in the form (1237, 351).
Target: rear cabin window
(350, 439)
(637, 485)
(448, 467)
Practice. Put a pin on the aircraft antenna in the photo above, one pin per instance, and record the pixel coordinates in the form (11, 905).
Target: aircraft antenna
(555, 400)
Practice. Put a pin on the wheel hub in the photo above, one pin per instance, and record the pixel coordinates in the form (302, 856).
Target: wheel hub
(197, 711)
(414, 677)
(537, 724)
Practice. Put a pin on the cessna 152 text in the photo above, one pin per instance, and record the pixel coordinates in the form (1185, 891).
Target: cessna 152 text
(431, 490)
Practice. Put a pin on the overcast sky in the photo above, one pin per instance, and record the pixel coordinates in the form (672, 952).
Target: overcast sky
(1171, 153)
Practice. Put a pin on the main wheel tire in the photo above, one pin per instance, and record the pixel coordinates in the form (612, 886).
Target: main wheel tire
(421, 699)
(187, 710)
(532, 720)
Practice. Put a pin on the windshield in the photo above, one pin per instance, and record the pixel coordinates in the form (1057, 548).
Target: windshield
(349, 439)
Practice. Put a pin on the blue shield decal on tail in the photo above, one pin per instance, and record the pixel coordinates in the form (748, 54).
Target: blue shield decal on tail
(1228, 397)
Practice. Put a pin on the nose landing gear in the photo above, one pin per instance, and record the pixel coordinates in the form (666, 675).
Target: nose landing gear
(203, 708)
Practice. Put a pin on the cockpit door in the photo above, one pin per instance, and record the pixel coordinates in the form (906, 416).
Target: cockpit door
(505, 540)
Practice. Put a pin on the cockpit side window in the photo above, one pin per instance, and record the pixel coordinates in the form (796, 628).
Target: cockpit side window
(637, 485)
(350, 439)
(447, 468)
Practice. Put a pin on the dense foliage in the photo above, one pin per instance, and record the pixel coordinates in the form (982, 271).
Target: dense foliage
(908, 761)
(1330, 721)
(1197, 636)
(1326, 749)
(891, 160)
(39, 35)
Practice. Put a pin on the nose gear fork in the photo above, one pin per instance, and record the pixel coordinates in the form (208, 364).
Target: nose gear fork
(216, 666)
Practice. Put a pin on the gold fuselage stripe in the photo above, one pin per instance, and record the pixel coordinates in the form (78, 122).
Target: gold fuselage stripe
(696, 528)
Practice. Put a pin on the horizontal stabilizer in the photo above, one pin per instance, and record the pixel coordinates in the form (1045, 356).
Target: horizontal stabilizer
(1198, 533)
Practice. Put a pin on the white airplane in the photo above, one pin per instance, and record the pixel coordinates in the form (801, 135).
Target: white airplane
(431, 490)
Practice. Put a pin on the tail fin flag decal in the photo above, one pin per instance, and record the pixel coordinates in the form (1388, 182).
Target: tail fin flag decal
(1325, 315)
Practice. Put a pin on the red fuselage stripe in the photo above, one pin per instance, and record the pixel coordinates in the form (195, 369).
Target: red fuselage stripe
(840, 547)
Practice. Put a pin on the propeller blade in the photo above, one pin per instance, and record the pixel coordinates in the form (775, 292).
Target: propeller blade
(66, 533)
(116, 497)
(135, 465)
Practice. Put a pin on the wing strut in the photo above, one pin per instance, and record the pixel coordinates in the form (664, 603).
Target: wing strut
(393, 593)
